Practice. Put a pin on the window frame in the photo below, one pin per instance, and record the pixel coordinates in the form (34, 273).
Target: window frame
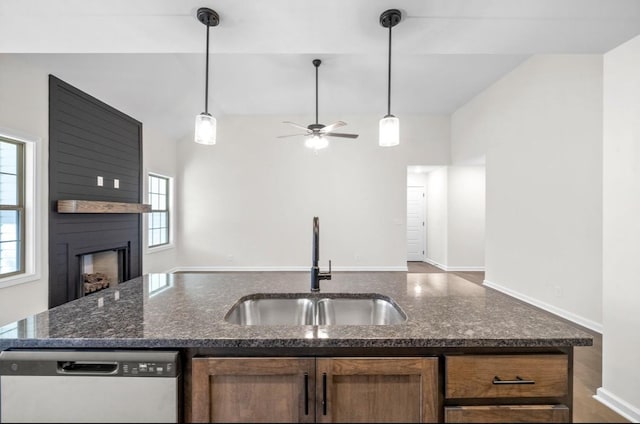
(168, 205)
(32, 215)
(19, 207)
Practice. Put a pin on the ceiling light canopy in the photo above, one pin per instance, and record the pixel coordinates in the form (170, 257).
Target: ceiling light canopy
(389, 131)
(206, 124)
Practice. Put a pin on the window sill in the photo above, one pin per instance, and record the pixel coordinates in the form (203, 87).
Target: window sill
(14, 280)
(161, 248)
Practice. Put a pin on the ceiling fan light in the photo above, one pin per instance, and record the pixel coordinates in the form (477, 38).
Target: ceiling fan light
(206, 128)
(316, 142)
(389, 131)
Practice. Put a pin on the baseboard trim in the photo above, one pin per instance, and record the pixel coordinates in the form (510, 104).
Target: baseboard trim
(453, 268)
(172, 270)
(592, 325)
(436, 264)
(617, 405)
(286, 268)
(465, 268)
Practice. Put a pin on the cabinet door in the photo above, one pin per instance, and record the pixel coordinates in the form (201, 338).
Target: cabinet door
(377, 390)
(253, 390)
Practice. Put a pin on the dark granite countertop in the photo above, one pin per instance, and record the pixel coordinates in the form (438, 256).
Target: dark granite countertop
(187, 310)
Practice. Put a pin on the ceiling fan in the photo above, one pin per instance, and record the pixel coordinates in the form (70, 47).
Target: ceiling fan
(317, 133)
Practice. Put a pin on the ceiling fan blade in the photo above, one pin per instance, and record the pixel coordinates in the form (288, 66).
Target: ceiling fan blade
(343, 135)
(333, 126)
(296, 125)
(291, 135)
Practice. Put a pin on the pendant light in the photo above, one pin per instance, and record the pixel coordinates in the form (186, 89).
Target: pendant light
(389, 125)
(206, 124)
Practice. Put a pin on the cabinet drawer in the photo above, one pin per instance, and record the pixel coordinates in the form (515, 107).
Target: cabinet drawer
(507, 414)
(506, 376)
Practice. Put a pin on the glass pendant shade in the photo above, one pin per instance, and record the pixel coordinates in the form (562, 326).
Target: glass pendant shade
(316, 142)
(389, 131)
(206, 127)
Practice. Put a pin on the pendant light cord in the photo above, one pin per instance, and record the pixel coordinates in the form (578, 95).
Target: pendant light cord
(206, 76)
(316, 95)
(389, 75)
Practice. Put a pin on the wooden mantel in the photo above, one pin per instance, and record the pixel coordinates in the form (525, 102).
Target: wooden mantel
(92, 206)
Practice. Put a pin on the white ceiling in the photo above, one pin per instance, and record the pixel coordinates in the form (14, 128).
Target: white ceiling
(146, 57)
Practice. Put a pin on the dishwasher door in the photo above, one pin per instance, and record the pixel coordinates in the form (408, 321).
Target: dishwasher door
(89, 386)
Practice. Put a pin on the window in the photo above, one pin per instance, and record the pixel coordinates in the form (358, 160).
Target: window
(158, 234)
(12, 208)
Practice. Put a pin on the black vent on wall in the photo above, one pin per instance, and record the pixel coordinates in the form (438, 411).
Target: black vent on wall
(90, 139)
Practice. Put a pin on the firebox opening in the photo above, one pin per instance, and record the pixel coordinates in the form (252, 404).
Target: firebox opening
(99, 270)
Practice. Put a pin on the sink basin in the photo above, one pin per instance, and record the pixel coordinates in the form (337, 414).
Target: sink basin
(345, 311)
(272, 311)
(316, 309)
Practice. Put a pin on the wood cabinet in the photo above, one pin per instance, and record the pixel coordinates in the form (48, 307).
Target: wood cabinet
(253, 390)
(524, 388)
(473, 387)
(314, 389)
(377, 390)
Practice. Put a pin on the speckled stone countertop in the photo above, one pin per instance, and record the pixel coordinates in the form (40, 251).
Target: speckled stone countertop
(188, 310)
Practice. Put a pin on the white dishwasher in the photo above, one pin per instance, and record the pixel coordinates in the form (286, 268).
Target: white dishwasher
(89, 386)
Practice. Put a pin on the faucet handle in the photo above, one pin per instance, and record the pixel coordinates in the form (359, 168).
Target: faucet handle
(325, 275)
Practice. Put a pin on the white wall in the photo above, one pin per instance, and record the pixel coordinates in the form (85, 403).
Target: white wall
(248, 201)
(437, 218)
(456, 218)
(24, 108)
(466, 216)
(160, 157)
(621, 230)
(541, 126)
(417, 179)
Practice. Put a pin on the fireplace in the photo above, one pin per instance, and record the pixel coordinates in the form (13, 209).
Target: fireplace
(95, 192)
(100, 270)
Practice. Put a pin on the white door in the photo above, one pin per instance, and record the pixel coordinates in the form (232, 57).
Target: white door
(415, 223)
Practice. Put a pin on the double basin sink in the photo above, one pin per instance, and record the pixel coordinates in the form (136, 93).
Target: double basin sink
(316, 309)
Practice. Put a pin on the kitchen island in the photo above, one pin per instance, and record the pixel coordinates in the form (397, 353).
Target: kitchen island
(458, 326)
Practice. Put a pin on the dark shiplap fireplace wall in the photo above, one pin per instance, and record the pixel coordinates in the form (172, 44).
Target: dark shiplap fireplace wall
(87, 139)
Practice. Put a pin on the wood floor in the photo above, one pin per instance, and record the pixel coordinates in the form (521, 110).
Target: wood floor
(587, 371)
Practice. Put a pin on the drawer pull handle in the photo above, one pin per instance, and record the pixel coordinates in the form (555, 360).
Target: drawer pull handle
(324, 393)
(518, 380)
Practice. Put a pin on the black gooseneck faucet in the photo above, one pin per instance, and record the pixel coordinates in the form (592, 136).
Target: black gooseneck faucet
(316, 275)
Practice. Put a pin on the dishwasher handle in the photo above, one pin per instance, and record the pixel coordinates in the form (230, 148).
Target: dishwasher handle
(87, 367)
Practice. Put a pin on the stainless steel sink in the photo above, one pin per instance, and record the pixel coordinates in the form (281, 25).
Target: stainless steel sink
(272, 311)
(316, 309)
(345, 311)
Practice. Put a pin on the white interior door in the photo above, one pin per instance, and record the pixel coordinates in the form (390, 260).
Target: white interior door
(415, 223)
